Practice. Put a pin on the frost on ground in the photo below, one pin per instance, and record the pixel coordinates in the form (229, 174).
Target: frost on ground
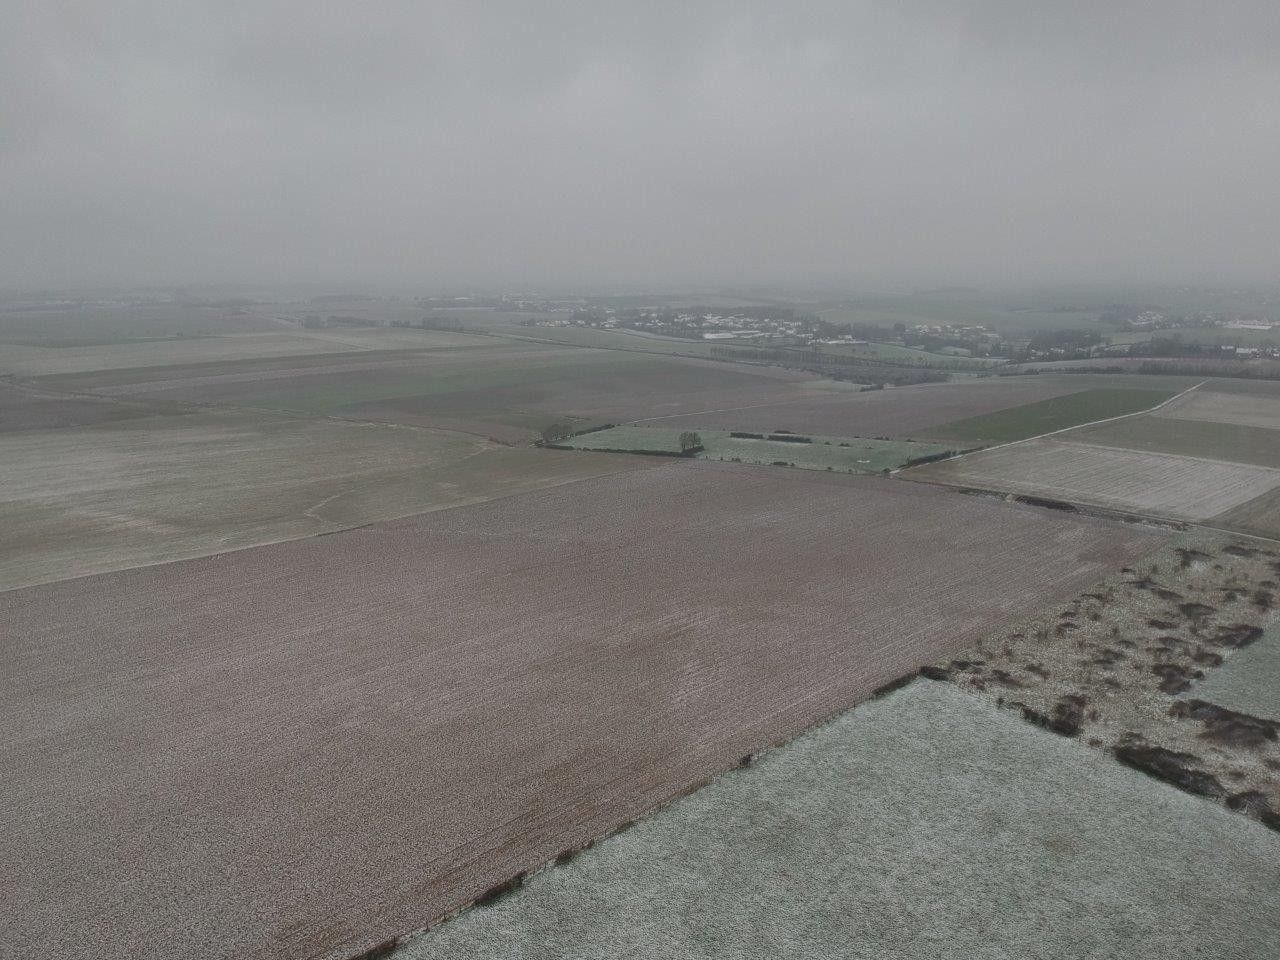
(923, 825)
(1250, 410)
(1116, 667)
(1186, 488)
(1249, 682)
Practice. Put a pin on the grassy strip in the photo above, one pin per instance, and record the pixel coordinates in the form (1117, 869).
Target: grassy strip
(1057, 413)
(845, 454)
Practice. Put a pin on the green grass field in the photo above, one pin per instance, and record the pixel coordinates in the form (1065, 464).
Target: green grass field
(854, 455)
(1045, 416)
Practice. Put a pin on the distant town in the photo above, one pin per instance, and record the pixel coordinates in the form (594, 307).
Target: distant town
(787, 327)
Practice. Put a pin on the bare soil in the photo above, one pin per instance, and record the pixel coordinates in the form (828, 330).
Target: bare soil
(1240, 409)
(307, 749)
(23, 407)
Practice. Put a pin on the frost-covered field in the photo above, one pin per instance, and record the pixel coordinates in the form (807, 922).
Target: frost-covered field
(1190, 488)
(1242, 409)
(1250, 681)
(923, 826)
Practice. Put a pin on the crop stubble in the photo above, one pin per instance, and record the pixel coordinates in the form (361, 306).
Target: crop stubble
(1241, 409)
(1189, 488)
(304, 749)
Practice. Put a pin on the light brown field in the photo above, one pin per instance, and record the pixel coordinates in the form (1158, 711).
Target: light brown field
(1188, 488)
(29, 360)
(216, 381)
(508, 390)
(304, 749)
(1240, 409)
(102, 497)
(24, 407)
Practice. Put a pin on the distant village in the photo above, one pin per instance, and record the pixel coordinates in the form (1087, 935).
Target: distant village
(785, 327)
(781, 326)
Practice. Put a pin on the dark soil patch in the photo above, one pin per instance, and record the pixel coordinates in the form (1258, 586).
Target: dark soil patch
(1171, 766)
(1196, 611)
(1207, 658)
(1067, 715)
(1227, 726)
(1237, 635)
(1255, 805)
(1175, 678)
(1238, 551)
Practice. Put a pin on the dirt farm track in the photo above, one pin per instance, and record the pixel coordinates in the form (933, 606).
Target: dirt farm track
(304, 749)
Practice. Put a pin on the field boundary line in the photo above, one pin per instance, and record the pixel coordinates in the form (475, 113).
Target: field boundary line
(367, 525)
(1078, 426)
(1100, 512)
(699, 413)
(840, 395)
(1173, 456)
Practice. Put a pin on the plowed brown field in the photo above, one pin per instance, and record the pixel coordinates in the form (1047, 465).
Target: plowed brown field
(304, 749)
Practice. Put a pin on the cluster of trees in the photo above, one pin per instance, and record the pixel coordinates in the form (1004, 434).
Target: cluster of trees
(1175, 346)
(690, 443)
(1062, 344)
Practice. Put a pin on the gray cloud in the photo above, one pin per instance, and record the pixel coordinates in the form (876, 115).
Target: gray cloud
(440, 143)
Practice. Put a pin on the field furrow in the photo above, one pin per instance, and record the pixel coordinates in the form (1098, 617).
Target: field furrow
(307, 748)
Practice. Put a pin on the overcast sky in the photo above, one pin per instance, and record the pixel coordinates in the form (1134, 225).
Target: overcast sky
(857, 144)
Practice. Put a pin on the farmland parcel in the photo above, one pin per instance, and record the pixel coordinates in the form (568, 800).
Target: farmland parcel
(1186, 488)
(1249, 682)
(505, 390)
(147, 489)
(305, 749)
(867, 838)
(1215, 406)
(1210, 455)
(1056, 413)
(939, 411)
(796, 450)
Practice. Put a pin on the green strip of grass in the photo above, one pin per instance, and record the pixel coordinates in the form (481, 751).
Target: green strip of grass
(1045, 416)
(852, 454)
